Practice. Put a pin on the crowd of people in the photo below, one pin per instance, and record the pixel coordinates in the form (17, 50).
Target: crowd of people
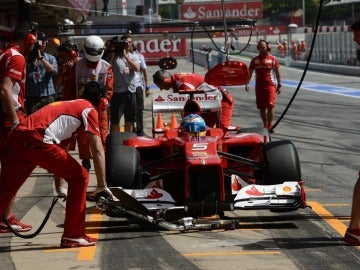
(88, 91)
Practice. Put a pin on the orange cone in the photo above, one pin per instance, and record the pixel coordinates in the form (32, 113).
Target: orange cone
(160, 123)
(173, 124)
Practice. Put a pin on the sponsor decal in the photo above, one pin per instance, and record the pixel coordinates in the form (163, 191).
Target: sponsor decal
(154, 194)
(248, 10)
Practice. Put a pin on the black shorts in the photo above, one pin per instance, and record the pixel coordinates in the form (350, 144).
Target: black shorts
(123, 103)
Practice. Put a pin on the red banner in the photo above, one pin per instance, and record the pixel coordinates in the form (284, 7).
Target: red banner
(197, 12)
(159, 48)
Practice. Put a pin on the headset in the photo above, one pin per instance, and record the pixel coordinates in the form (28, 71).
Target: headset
(268, 46)
(70, 48)
(30, 38)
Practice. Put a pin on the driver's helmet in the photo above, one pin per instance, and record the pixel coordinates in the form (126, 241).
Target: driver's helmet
(94, 48)
(193, 124)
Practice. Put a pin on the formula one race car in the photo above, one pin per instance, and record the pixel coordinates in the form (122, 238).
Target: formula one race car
(186, 172)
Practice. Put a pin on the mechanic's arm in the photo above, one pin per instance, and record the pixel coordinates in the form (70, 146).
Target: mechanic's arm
(97, 151)
(7, 101)
(247, 87)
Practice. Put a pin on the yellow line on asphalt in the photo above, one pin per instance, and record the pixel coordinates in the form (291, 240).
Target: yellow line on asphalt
(328, 217)
(259, 252)
(335, 204)
(88, 253)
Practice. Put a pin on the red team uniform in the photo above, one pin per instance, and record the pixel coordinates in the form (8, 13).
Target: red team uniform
(36, 141)
(265, 88)
(16, 71)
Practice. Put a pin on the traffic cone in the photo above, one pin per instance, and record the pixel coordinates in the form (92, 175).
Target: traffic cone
(160, 123)
(173, 124)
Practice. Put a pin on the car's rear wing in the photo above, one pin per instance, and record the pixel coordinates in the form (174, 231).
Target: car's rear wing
(168, 102)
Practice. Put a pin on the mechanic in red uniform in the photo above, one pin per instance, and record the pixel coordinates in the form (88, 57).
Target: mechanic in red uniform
(64, 82)
(268, 82)
(36, 142)
(186, 81)
(12, 92)
(352, 234)
(92, 67)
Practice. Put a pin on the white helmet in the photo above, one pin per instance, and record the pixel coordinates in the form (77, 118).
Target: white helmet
(94, 48)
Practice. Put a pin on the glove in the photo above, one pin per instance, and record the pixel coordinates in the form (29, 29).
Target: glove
(103, 192)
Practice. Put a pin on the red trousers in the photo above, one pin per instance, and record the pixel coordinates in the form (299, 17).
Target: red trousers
(82, 139)
(23, 152)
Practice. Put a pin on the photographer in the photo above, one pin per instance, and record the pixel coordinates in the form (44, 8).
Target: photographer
(40, 70)
(123, 102)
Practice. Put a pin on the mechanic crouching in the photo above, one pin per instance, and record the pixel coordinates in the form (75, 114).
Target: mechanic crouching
(37, 142)
(187, 81)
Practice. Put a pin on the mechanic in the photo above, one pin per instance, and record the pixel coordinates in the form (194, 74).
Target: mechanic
(12, 91)
(36, 142)
(187, 81)
(266, 86)
(352, 234)
(93, 68)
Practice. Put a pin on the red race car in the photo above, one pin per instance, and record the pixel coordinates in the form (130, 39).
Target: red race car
(192, 170)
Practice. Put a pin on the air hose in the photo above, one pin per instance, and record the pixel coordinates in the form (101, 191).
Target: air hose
(27, 236)
(306, 66)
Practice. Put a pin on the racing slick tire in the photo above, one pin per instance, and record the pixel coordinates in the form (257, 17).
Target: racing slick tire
(122, 165)
(281, 162)
(261, 131)
(117, 138)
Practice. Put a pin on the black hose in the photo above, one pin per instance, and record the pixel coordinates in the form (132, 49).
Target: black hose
(306, 67)
(27, 236)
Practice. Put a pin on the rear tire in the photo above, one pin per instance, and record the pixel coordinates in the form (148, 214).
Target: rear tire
(281, 162)
(117, 138)
(122, 165)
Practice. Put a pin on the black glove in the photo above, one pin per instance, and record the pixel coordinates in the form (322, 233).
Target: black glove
(103, 192)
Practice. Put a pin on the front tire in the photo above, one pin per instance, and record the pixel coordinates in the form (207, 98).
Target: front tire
(281, 162)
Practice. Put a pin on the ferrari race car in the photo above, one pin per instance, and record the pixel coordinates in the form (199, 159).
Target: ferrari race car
(189, 171)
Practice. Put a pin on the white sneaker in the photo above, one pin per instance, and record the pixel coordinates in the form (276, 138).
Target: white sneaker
(61, 192)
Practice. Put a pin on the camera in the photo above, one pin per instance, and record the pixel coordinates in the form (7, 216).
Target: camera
(119, 46)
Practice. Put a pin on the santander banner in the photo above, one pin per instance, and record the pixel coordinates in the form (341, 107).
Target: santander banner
(159, 48)
(246, 10)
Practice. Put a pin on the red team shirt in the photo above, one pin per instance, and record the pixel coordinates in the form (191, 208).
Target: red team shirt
(54, 126)
(12, 64)
(185, 81)
(265, 86)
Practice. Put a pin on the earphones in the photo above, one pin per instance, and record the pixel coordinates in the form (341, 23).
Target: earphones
(268, 46)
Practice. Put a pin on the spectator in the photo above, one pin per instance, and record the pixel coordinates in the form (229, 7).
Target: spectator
(294, 51)
(35, 142)
(40, 71)
(125, 66)
(12, 91)
(184, 81)
(221, 55)
(92, 67)
(352, 234)
(280, 49)
(267, 83)
(141, 82)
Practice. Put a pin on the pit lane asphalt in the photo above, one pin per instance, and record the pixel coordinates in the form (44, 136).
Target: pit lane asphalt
(325, 129)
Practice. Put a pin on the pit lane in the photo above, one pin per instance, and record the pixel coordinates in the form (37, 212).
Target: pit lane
(325, 130)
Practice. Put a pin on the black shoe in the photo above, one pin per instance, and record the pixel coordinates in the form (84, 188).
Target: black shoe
(86, 164)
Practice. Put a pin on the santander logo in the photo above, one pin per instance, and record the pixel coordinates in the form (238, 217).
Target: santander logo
(248, 10)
